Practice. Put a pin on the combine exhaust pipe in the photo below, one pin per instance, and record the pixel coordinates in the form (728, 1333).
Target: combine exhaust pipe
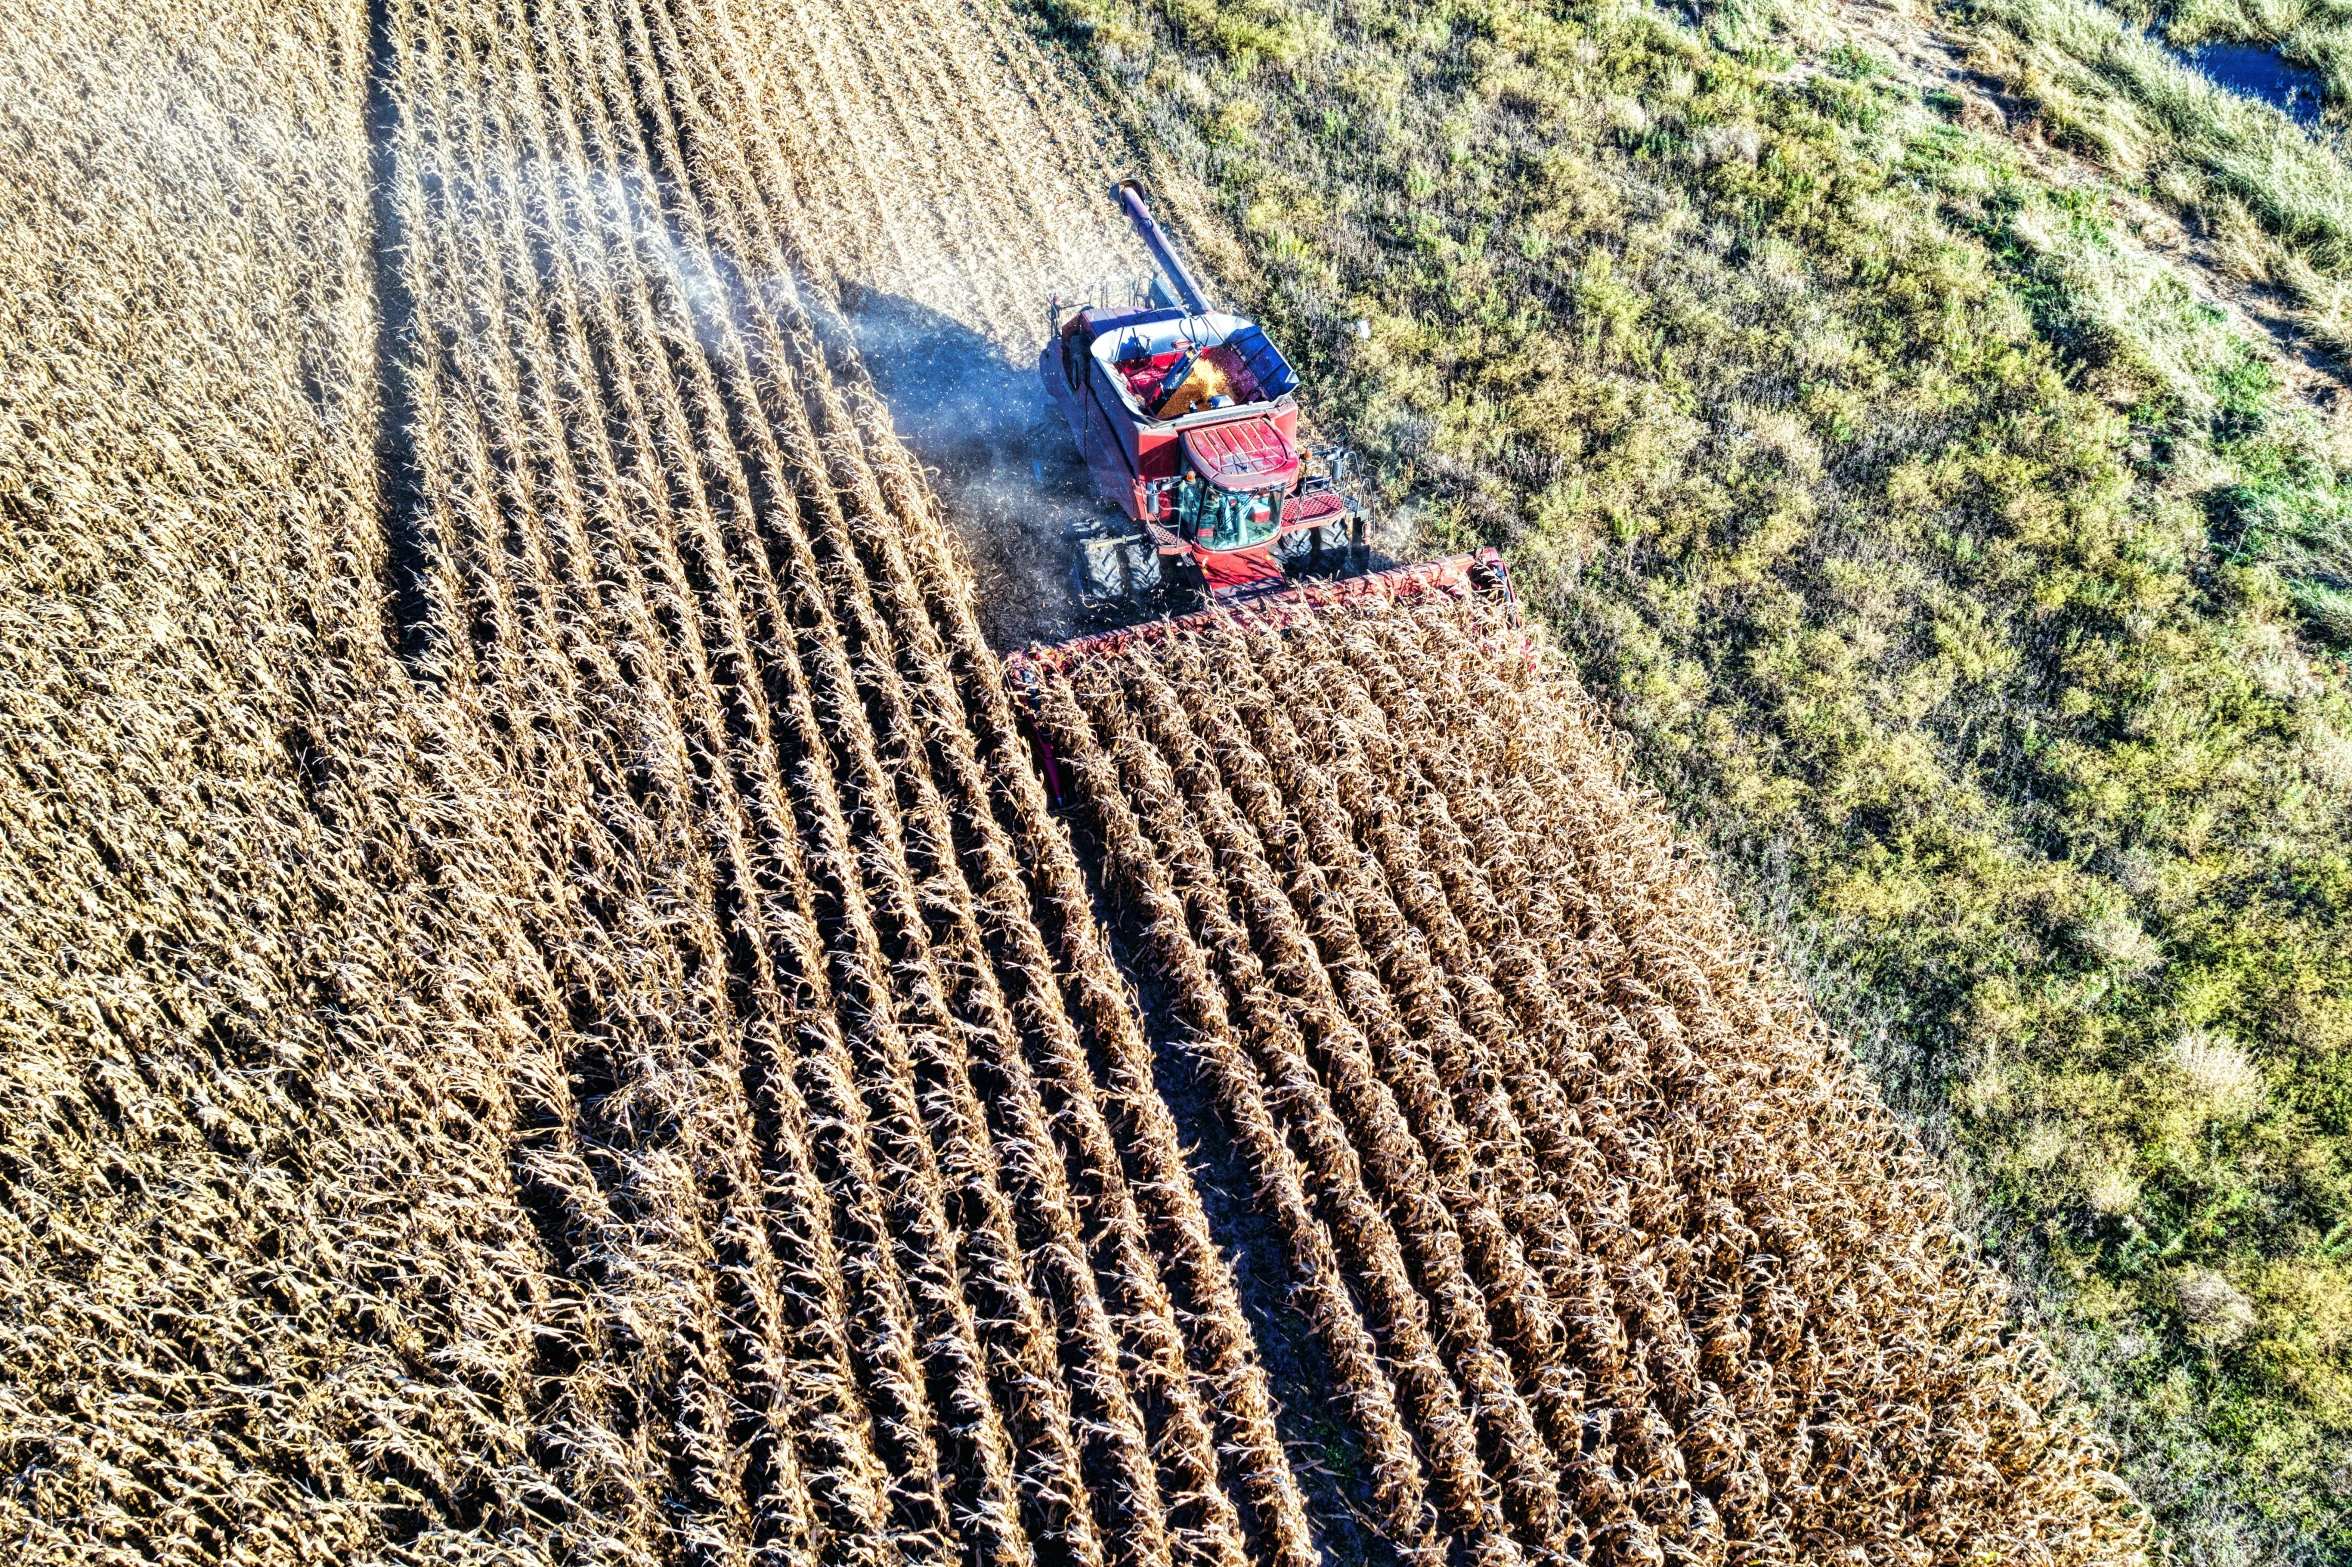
(1187, 288)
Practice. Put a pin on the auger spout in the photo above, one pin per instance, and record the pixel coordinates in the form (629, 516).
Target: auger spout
(1187, 287)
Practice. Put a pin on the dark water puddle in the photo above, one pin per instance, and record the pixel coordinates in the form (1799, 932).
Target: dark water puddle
(2257, 72)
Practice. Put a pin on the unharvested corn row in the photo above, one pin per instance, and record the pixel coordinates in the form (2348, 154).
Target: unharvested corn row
(1653, 1236)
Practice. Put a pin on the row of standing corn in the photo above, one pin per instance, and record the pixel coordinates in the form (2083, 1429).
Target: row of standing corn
(1620, 1258)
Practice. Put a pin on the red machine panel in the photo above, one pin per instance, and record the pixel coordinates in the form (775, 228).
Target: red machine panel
(1252, 453)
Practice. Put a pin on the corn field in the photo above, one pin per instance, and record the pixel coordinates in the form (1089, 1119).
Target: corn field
(544, 1014)
(1617, 1256)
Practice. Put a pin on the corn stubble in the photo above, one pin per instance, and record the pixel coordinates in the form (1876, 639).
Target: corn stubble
(543, 1013)
(1618, 1257)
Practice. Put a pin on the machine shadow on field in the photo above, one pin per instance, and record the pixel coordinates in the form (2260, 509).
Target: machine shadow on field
(1001, 459)
(1007, 473)
(408, 624)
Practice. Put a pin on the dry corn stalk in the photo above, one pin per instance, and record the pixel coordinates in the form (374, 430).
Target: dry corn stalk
(1388, 855)
(636, 1058)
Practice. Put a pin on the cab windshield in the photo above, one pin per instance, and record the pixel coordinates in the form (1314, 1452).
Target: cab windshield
(1217, 519)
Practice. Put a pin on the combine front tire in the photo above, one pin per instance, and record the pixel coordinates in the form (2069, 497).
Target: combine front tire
(1111, 569)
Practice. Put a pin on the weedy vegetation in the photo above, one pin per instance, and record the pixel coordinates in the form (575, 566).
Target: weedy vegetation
(1966, 573)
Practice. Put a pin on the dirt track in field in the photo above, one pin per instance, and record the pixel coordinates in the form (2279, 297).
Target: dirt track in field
(954, 176)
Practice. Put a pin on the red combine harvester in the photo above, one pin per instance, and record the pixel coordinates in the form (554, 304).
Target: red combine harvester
(1188, 417)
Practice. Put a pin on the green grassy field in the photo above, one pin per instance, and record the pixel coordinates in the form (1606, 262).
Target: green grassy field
(2274, 200)
(1964, 575)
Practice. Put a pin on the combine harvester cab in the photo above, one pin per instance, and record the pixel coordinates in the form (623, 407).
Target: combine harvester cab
(1188, 419)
